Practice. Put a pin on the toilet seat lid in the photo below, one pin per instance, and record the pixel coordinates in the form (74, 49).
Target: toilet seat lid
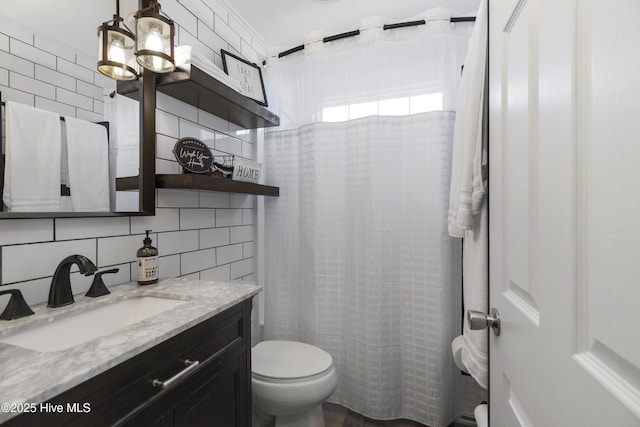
(288, 360)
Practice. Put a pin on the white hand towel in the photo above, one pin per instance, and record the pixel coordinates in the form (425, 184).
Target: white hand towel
(32, 162)
(88, 161)
(467, 189)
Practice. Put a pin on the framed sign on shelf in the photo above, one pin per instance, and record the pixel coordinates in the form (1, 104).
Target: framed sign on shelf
(193, 155)
(249, 75)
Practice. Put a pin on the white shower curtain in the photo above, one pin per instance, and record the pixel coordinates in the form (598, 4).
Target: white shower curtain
(358, 260)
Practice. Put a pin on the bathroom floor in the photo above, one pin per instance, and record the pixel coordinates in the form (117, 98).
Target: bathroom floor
(338, 416)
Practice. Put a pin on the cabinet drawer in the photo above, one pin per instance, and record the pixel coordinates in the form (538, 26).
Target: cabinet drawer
(127, 388)
(219, 396)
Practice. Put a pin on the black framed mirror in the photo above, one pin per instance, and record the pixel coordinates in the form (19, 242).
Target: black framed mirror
(49, 60)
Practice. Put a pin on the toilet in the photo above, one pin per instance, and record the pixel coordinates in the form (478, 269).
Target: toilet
(290, 381)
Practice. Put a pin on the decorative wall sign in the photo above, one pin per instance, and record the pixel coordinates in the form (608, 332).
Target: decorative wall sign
(249, 75)
(246, 170)
(193, 155)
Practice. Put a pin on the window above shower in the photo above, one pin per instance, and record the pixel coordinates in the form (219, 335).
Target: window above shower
(397, 106)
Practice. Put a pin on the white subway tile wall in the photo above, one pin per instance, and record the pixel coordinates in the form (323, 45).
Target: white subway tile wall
(197, 218)
(177, 198)
(165, 219)
(218, 273)
(17, 231)
(167, 124)
(214, 237)
(247, 250)
(214, 199)
(243, 233)
(37, 260)
(167, 167)
(85, 228)
(199, 234)
(228, 217)
(229, 254)
(178, 242)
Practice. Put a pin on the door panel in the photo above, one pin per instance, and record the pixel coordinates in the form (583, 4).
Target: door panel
(564, 172)
(517, 414)
(609, 107)
(518, 71)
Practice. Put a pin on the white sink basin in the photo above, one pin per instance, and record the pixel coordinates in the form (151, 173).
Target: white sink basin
(77, 328)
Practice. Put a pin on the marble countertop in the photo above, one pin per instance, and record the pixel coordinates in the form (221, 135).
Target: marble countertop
(28, 376)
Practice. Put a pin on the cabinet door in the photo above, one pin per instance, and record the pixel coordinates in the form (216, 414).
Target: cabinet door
(218, 402)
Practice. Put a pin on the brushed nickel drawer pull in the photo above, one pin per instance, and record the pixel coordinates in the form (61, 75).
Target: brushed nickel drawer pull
(190, 366)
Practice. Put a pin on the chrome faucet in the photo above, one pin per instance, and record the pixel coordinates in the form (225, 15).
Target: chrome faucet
(60, 293)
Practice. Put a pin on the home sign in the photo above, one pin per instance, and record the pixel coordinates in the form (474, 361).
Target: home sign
(246, 170)
(193, 155)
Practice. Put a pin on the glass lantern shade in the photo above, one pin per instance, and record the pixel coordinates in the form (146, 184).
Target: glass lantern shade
(155, 34)
(116, 53)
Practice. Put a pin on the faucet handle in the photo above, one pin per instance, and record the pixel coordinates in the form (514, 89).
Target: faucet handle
(98, 287)
(17, 306)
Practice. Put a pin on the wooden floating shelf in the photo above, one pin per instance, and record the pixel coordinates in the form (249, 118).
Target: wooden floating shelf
(200, 182)
(195, 87)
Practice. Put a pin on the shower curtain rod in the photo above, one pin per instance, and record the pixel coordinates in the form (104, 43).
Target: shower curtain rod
(385, 27)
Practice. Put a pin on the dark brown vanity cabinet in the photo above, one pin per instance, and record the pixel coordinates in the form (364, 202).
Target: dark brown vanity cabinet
(217, 392)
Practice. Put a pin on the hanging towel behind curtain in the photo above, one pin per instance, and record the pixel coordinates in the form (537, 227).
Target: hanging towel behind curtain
(467, 216)
(469, 151)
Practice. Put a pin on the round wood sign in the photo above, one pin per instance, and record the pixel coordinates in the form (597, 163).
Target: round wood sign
(193, 155)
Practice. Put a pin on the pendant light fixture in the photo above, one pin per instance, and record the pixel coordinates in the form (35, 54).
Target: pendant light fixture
(154, 39)
(116, 49)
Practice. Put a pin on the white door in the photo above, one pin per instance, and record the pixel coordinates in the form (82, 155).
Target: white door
(565, 212)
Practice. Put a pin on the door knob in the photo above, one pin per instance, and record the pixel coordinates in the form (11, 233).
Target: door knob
(478, 320)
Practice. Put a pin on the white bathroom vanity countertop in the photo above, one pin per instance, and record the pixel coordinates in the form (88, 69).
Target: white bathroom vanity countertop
(28, 376)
